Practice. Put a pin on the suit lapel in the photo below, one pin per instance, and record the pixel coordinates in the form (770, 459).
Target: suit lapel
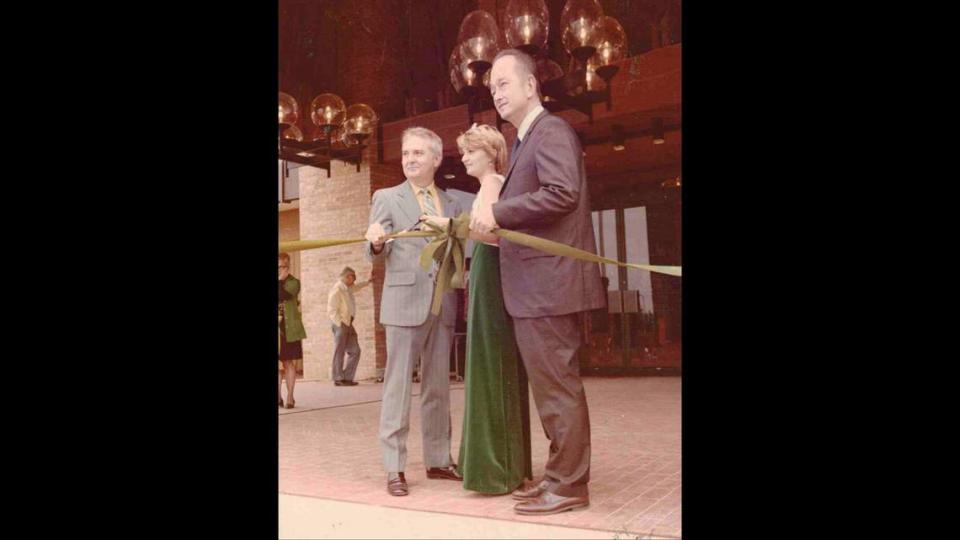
(523, 146)
(408, 202)
(447, 203)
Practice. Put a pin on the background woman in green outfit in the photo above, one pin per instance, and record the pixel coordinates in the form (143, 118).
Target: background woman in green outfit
(291, 328)
(495, 446)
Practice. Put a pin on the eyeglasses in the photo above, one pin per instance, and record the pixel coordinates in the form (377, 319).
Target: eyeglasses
(282, 266)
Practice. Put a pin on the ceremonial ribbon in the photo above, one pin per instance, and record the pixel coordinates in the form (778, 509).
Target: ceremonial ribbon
(447, 249)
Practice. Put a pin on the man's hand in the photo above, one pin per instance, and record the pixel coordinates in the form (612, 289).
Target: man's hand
(375, 235)
(483, 221)
(438, 221)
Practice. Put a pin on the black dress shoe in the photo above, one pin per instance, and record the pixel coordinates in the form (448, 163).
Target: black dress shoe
(526, 493)
(444, 473)
(280, 403)
(350, 383)
(338, 383)
(550, 503)
(397, 486)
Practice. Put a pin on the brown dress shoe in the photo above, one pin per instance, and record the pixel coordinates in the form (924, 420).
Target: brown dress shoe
(527, 492)
(549, 503)
(444, 473)
(397, 486)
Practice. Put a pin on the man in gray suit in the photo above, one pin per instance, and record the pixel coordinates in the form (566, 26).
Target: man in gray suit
(545, 194)
(412, 331)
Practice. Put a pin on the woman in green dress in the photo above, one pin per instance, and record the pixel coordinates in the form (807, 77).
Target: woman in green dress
(291, 328)
(495, 446)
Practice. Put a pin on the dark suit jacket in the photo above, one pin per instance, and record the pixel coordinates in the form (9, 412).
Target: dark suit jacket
(545, 194)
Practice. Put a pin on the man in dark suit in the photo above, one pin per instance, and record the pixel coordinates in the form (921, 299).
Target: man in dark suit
(545, 194)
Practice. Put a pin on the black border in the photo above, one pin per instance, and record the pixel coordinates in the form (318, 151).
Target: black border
(189, 431)
(185, 382)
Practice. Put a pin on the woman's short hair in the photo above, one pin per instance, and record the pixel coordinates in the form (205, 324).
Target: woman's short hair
(488, 139)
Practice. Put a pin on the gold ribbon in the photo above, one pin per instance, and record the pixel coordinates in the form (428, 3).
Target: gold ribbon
(556, 248)
(300, 245)
(447, 250)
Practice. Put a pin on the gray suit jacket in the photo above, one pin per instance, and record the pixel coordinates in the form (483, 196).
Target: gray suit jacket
(545, 194)
(407, 288)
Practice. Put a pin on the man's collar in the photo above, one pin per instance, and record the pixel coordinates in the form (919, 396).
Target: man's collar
(430, 188)
(527, 120)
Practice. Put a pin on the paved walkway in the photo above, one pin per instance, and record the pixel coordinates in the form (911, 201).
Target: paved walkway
(330, 462)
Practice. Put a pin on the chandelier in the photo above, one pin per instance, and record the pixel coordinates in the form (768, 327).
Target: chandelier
(338, 131)
(593, 41)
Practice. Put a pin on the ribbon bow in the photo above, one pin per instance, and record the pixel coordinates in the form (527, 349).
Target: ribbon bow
(447, 249)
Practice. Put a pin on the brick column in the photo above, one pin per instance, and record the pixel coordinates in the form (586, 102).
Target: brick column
(289, 232)
(382, 176)
(336, 207)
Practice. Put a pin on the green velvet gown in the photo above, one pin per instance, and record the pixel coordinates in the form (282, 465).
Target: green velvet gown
(495, 447)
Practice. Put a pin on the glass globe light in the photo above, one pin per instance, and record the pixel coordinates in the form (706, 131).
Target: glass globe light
(527, 25)
(462, 75)
(289, 111)
(578, 22)
(611, 41)
(593, 82)
(319, 134)
(360, 122)
(456, 75)
(293, 133)
(548, 70)
(478, 37)
(327, 110)
(575, 78)
(550, 77)
(342, 137)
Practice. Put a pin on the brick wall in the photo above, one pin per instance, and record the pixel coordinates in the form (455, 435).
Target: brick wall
(381, 176)
(289, 225)
(335, 207)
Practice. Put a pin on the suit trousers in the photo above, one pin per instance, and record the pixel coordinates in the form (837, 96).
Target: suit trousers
(345, 341)
(549, 352)
(430, 342)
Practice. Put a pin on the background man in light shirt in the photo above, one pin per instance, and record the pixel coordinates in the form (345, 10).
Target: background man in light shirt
(341, 308)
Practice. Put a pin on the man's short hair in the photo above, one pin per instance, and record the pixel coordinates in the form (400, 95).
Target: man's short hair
(525, 65)
(284, 257)
(434, 142)
(347, 271)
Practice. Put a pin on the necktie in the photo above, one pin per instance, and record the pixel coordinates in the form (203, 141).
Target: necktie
(430, 210)
(513, 152)
(428, 206)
